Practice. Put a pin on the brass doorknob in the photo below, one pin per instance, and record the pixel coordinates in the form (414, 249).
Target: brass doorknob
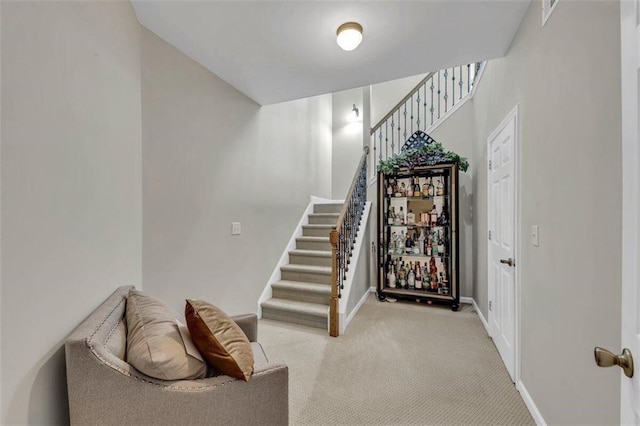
(509, 261)
(605, 358)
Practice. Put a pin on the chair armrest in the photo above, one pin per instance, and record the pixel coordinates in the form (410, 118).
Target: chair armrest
(249, 324)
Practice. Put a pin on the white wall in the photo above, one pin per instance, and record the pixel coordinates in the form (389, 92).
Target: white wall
(385, 96)
(347, 140)
(71, 186)
(213, 156)
(456, 134)
(565, 77)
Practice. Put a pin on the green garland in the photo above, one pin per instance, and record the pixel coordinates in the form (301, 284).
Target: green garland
(429, 155)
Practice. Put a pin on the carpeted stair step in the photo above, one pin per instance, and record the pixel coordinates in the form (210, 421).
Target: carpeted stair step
(309, 314)
(323, 218)
(327, 208)
(310, 257)
(302, 292)
(306, 273)
(316, 230)
(313, 243)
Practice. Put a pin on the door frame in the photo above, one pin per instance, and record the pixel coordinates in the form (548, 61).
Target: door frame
(629, 16)
(513, 114)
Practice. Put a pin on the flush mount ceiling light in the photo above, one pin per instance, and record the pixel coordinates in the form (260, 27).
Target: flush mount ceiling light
(349, 35)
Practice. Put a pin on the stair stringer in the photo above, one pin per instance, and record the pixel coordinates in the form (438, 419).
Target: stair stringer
(276, 276)
(354, 287)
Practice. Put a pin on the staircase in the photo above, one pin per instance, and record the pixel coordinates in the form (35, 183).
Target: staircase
(303, 292)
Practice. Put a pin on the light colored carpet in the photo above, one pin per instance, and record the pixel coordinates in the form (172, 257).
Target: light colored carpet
(398, 363)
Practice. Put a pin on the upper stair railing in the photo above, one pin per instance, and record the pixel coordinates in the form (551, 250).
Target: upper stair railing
(343, 237)
(429, 101)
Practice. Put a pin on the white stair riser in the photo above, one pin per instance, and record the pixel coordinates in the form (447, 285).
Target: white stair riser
(307, 277)
(313, 245)
(301, 296)
(294, 317)
(296, 259)
(327, 208)
(315, 232)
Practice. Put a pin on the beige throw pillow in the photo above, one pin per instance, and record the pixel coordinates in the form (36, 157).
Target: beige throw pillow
(220, 340)
(155, 345)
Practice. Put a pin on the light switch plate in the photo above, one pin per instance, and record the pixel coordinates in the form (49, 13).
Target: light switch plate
(535, 240)
(235, 228)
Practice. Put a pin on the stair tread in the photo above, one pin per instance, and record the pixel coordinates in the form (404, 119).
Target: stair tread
(318, 226)
(311, 253)
(303, 286)
(314, 309)
(325, 215)
(324, 270)
(308, 238)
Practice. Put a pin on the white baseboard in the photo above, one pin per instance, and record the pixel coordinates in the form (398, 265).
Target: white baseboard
(482, 318)
(468, 300)
(533, 409)
(345, 323)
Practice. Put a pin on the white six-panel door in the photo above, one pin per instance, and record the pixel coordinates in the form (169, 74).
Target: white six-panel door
(502, 225)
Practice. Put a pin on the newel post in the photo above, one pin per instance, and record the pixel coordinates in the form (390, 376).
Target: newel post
(333, 302)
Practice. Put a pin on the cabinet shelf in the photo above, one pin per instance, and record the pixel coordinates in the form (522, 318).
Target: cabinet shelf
(391, 197)
(416, 226)
(416, 256)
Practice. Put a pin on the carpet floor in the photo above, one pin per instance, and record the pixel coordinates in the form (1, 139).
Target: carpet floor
(398, 363)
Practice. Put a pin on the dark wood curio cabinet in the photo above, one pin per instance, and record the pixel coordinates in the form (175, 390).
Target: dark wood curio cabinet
(418, 234)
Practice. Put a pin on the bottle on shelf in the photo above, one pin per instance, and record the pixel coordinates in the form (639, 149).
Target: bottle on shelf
(420, 244)
(411, 277)
(390, 188)
(418, 279)
(434, 244)
(403, 189)
(400, 244)
(396, 189)
(441, 246)
(440, 186)
(408, 244)
(402, 277)
(433, 216)
(443, 219)
(391, 215)
(428, 250)
(431, 189)
(416, 187)
(391, 277)
(433, 272)
(411, 217)
(400, 217)
(393, 242)
(425, 188)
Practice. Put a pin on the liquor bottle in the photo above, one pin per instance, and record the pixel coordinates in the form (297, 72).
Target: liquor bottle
(421, 242)
(408, 244)
(400, 244)
(433, 272)
(392, 215)
(418, 281)
(391, 277)
(411, 278)
(411, 218)
(440, 289)
(392, 242)
(403, 189)
(443, 220)
(416, 188)
(425, 188)
(441, 246)
(431, 189)
(390, 188)
(434, 215)
(401, 216)
(402, 276)
(428, 250)
(396, 188)
(440, 186)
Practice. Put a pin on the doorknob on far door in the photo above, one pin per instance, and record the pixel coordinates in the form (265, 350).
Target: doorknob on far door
(509, 261)
(605, 358)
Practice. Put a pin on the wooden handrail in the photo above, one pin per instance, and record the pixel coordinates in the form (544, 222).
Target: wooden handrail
(334, 238)
(399, 104)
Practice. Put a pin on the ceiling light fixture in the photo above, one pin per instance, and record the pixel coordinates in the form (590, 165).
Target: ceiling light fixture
(349, 35)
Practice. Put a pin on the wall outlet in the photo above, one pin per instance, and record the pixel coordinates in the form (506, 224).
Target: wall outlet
(535, 241)
(235, 228)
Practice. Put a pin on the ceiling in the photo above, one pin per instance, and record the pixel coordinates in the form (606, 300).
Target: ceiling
(275, 51)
